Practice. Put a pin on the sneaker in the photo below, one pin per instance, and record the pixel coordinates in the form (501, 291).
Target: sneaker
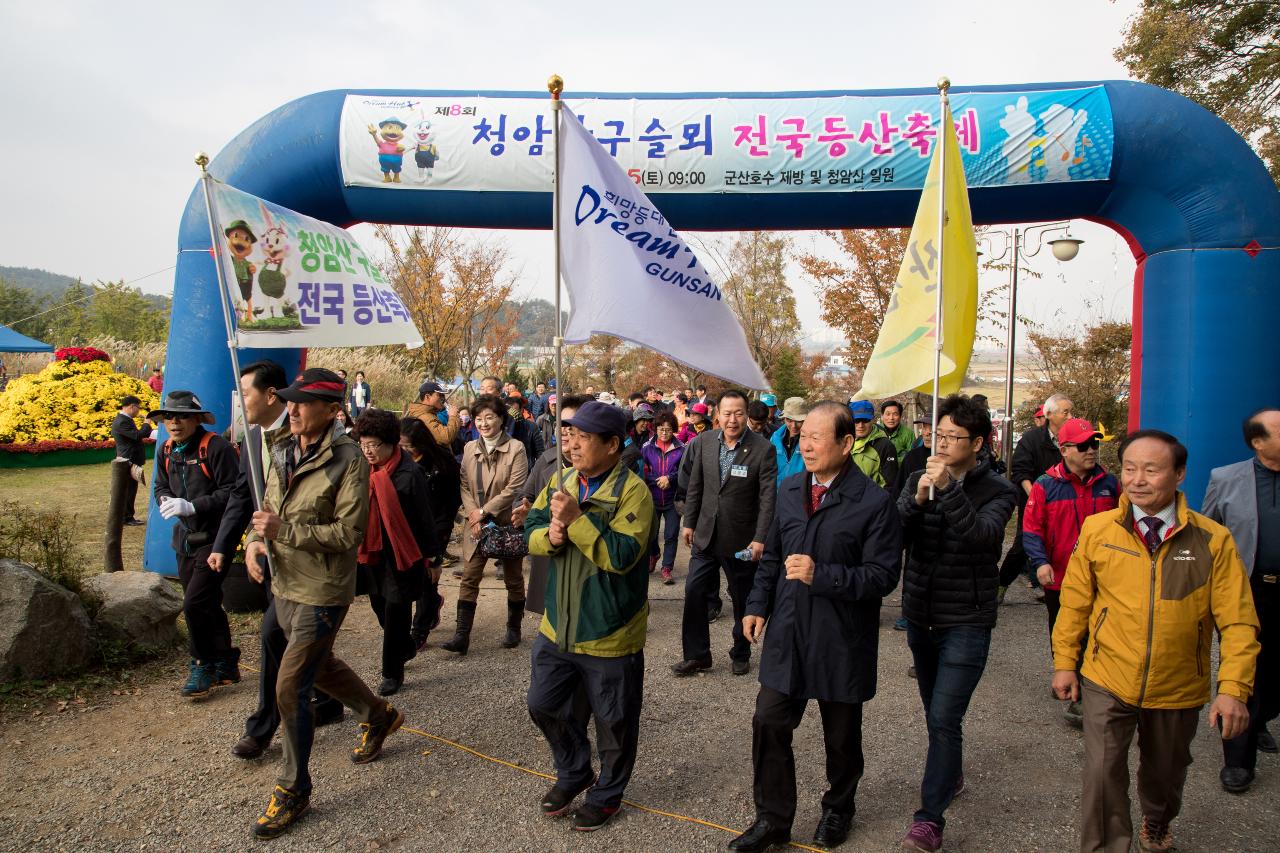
(557, 801)
(199, 680)
(373, 736)
(1155, 837)
(284, 810)
(900, 624)
(227, 671)
(1073, 714)
(923, 835)
(741, 667)
(667, 579)
(589, 818)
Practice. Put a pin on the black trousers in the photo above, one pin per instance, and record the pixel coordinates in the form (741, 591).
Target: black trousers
(1015, 562)
(1264, 704)
(130, 499)
(614, 690)
(208, 633)
(774, 765)
(703, 583)
(397, 642)
(265, 719)
(1052, 604)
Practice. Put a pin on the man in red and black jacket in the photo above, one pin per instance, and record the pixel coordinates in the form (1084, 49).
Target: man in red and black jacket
(1059, 502)
(195, 472)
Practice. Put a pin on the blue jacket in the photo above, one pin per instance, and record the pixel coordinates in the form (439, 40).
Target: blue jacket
(786, 467)
(823, 638)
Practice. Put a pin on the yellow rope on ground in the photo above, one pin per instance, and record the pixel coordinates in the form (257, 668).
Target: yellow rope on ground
(513, 766)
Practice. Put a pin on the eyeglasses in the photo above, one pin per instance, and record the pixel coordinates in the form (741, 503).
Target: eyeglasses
(1084, 446)
(944, 438)
(370, 446)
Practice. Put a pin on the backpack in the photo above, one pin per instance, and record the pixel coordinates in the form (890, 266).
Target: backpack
(202, 453)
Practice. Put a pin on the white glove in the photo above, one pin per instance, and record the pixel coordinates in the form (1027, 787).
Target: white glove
(179, 507)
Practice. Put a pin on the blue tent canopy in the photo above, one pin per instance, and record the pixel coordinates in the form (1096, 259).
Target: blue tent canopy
(11, 341)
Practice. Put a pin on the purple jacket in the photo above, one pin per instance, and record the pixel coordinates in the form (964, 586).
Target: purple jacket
(659, 464)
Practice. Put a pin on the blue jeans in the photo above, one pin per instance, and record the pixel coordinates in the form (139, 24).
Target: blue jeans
(670, 519)
(949, 663)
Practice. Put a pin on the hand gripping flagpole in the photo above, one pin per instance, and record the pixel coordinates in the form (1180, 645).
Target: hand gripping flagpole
(206, 181)
(555, 85)
(943, 85)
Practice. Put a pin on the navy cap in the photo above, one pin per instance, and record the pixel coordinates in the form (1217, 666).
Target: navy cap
(600, 419)
(429, 388)
(863, 410)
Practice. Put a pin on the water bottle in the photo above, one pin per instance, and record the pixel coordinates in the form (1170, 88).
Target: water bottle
(745, 555)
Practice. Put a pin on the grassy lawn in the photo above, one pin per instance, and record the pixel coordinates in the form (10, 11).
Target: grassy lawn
(79, 493)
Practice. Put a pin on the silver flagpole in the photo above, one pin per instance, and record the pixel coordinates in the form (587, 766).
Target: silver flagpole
(555, 85)
(943, 85)
(206, 179)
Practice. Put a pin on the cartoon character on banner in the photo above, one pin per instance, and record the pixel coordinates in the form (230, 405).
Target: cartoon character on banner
(425, 153)
(240, 240)
(273, 279)
(387, 136)
(1062, 129)
(1020, 125)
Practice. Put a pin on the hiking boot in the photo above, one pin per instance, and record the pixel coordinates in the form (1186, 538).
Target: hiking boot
(515, 614)
(249, 748)
(1073, 714)
(667, 579)
(374, 734)
(923, 835)
(199, 680)
(461, 640)
(1155, 837)
(556, 802)
(227, 670)
(284, 810)
(686, 668)
(589, 818)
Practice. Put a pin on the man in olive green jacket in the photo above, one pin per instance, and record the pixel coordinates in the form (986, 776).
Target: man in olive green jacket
(310, 528)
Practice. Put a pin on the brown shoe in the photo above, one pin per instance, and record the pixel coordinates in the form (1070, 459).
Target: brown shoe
(249, 748)
(1155, 837)
(374, 734)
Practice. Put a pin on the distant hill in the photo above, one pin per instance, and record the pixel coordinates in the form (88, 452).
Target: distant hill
(39, 283)
(43, 284)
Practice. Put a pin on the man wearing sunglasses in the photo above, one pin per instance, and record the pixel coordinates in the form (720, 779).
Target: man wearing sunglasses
(1059, 502)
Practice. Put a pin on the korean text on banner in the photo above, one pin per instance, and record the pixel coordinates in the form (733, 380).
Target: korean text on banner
(295, 281)
(903, 358)
(629, 274)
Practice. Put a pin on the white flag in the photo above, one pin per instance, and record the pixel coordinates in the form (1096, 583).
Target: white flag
(294, 281)
(631, 275)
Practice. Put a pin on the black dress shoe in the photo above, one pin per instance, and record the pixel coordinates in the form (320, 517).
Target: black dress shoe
(1236, 780)
(133, 522)
(760, 836)
(833, 829)
(690, 667)
(329, 717)
(390, 686)
(741, 667)
(249, 747)
(1266, 743)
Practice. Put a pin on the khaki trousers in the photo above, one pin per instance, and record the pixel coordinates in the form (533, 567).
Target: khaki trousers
(1164, 754)
(473, 571)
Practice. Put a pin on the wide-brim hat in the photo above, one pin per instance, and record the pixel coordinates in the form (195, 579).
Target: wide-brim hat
(241, 225)
(795, 409)
(181, 403)
(315, 383)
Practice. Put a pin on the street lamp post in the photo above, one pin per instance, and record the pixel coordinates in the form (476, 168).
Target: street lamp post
(1065, 248)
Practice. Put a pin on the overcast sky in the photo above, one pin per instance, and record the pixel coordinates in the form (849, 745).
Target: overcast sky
(104, 104)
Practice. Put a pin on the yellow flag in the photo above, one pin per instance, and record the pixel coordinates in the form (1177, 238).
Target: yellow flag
(903, 359)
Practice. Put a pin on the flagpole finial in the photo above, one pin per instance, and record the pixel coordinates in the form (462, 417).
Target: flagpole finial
(555, 85)
(202, 160)
(944, 83)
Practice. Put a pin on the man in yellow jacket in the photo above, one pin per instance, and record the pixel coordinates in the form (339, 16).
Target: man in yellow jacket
(1150, 581)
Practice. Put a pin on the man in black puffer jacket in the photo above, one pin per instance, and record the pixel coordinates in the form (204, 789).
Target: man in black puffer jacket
(953, 540)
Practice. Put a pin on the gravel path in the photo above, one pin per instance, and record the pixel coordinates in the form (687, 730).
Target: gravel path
(150, 771)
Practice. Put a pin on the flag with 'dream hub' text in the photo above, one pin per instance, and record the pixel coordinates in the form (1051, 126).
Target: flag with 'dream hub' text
(903, 358)
(630, 275)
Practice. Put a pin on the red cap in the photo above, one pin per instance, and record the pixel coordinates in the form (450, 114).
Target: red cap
(1077, 430)
(1039, 413)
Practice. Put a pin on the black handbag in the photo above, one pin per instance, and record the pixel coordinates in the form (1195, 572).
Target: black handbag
(502, 542)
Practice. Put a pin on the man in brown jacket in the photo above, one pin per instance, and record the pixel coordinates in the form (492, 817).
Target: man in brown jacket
(431, 403)
(312, 521)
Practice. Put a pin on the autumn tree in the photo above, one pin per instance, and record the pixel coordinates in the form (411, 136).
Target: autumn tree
(602, 360)
(1222, 55)
(1091, 368)
(753, 280)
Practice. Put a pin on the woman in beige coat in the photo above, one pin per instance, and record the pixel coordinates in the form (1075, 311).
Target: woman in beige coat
(494, 468)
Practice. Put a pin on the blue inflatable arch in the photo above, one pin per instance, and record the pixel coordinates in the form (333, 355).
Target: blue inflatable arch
(1197, 207)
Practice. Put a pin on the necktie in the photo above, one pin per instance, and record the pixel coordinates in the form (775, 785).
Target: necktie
(815, 497)
(1152, 537)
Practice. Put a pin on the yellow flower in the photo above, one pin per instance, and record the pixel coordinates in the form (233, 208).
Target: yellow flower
(68, 400)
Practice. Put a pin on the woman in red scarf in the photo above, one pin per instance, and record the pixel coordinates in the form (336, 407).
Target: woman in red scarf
(398, 539)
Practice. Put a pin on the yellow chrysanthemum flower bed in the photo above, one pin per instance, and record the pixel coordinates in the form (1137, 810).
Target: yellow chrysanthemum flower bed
(68, 401)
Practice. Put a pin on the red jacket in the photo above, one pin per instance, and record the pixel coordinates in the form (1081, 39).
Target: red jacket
(1056, 509)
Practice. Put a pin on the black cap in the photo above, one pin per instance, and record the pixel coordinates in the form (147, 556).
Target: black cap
(315, 383)
(600, 419)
